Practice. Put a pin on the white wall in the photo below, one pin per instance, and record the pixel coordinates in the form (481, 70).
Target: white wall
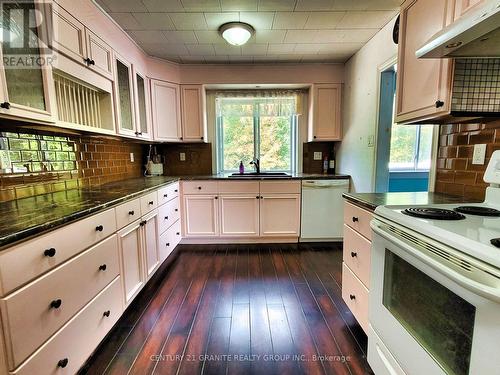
(360, 110)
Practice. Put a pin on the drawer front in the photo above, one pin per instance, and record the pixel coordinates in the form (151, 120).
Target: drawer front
(169, 240)
(28, 260)
(168, 193)
(149, 202)
(128, 212)
(358, 219)
(168, 214)
(357, 254)
(55, 298)
(79, 337)
(280, 187)
(237, 187)
(355, 296)
(200, 187)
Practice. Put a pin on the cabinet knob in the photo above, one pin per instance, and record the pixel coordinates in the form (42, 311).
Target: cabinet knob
(176, 190)
(91, 62)
(151, 203)
(131, 213)
(166, 217)
(62, 363)
(314, 137)
(86, 61)
(216, 197)
(261, 197)
(439, 103)
(257, 197)
(181, 138)
(106, 313)
(50, 252)
(354, 219)
(102, 267)
(5, 105)
(352, 297)
(167, 244)
(142, 223)
(199, 187)
(353, 254)
(99, 228)
(178, 234)
(165, 195)
(176, 210)
(201, 138)
(55, 304)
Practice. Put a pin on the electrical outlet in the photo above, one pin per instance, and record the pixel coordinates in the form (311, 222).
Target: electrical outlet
(182, 156)
(131, 157)
(479, 154)
(318, 156)
(371, 140)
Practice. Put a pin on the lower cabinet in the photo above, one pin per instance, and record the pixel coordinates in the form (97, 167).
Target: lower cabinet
(239, 216)
(280, 215)
(169, 240)
(201, 216)
(150, 238)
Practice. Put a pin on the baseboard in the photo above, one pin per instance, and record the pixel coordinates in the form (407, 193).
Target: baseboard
(332, 239)
(219, 240)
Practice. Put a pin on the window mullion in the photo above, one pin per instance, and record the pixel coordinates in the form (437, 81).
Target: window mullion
(256, 130)
(417, 148)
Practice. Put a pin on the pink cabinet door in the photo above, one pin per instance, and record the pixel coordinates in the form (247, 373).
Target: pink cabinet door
(423, 85)
(151, 251)
(130, 245)
(165, 103)
(463, 6)
(193, 113)
(201, 216)
(124, 99)
(100, 53)
(280, 215)
(69, 35)
(142, 105)
(325, 113)
(239, 215)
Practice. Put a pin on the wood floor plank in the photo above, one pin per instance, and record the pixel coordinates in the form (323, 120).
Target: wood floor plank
(239, 342)
(218, 347)
(271, 286)
(225, 301)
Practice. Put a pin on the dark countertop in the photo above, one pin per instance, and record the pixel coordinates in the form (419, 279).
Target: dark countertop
(371, 201)
(293, 176)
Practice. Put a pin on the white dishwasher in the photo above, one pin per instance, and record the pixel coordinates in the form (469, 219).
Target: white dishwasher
(322, 209)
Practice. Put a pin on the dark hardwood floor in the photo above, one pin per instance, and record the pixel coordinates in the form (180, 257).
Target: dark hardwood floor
(239, 309)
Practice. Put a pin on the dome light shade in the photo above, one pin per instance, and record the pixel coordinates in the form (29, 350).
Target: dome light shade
(236, 33)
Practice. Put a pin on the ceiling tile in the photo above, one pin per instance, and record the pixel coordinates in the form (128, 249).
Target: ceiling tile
(270, 36)
(241, 59)
(192, 59)
(254, 49)
(126, 21)
(366, 5)
(148, 36)
(259, 20)
(278, 49)
(189, 21)
(217, 59)
(346, 36)
(290, 20)
(180, 36)
(290, 58)
(124, 5)
(201, 5)
(201, 49)
(339, 48)
(154, 21)
(239, 5)
(307, 48)
(366, 20)
(314, 5)
(163, 5)
(300, 36)
(267, 58)
(176, 49)
(214, 20)
(227, 49)
(323, 20)
(286, 5)
(208, 37)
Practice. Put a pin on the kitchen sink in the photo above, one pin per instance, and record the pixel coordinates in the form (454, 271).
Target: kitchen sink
(260, 175)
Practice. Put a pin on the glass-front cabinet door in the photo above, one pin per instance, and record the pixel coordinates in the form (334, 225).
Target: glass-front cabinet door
(123, 93)
(26, 74)
(142, 109)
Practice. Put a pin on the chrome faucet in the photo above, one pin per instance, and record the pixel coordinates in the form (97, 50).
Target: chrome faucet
(256, 163)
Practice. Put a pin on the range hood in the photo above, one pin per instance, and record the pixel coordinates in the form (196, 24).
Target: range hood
(474, 35)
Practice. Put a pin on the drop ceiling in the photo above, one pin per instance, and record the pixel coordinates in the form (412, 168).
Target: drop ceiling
(185, 31)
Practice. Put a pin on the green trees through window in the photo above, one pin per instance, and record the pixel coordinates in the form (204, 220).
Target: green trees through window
(411, 147)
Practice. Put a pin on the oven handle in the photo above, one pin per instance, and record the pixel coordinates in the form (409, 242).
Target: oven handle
(472, 285)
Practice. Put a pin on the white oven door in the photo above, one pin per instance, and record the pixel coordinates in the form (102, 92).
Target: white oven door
(436, 310)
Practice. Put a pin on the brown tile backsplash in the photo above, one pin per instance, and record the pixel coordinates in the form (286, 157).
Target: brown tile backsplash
(198, 159)
(309, 164)
(456, 174)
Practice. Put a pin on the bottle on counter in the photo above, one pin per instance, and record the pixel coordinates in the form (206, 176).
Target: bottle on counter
(331, 162)
(242, 167)
(325, 165)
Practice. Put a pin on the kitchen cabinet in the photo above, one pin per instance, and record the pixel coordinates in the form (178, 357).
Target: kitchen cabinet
(201, 215)
(193, 107)
(463, 6)
(239, 215)
(150, 242)
(142, 106)
(99, 55)
(280, 215)
(423, 92)
(325, 104)
(125, 111)
(166, 108)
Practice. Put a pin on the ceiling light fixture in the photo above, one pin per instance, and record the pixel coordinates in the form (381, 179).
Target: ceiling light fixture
(236, 33)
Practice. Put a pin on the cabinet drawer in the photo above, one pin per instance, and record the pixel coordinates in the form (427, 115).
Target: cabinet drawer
(169, 240)
(79, 337)
(149, 202)
(55, 298)
(199, 187)
(243, 187)
(167, 193)
(355, 296)
(280, 187)
(357, 254)
(128, 212)
(22, 263)
(358, 219)
(168, 214)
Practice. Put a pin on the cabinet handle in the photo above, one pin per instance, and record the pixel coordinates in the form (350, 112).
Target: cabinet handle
(352, 297)
(151, 203)
(106, 313)
(50, 252)
(131, 213)
(55, 304)
(102, 267)
(439, 103)
(99, 228)
(62, 363)
(5, 105)
(165, 195)
(354, 219)
(167, 244)
(353, 254)
(166, 217)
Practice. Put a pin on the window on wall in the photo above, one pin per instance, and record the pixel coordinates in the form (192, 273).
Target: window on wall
(411, 147)
(257, 127)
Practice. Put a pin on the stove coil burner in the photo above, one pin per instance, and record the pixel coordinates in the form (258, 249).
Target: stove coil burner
(433, 213)
(478, 210)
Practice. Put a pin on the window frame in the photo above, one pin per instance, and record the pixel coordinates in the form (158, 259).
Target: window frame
(416, 153)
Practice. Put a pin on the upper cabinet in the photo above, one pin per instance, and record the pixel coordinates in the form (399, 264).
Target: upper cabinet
(25, 93)
(166, 108)
(423, 85)
(125, 115)
(193, 106)
(325, 103)
(463, 6)
(142, 106)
